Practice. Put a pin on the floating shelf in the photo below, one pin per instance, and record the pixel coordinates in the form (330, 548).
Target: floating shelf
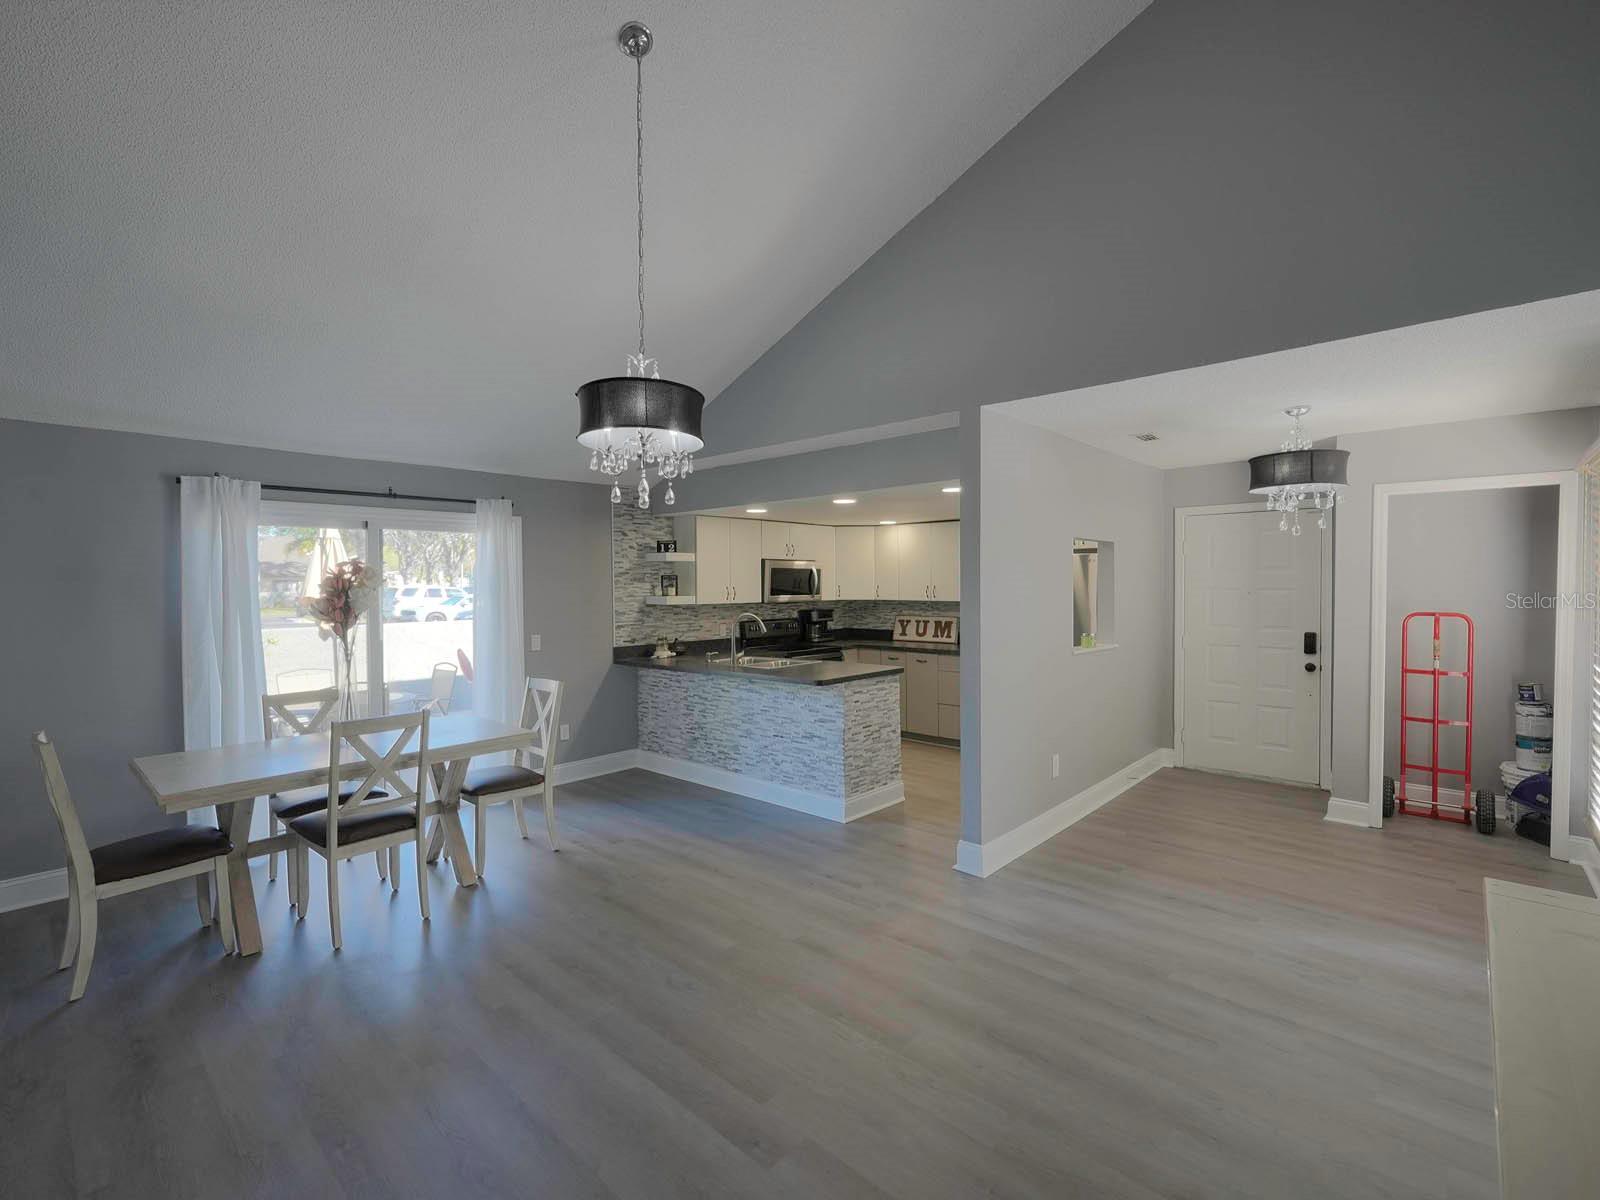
(670, 600)
(675, 556)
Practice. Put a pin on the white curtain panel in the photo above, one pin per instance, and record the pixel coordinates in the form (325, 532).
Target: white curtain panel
(224, 672)
(497, 614)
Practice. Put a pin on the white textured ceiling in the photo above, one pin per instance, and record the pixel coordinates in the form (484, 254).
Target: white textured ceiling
(403, 229)
(1530, 358)
(912, 502)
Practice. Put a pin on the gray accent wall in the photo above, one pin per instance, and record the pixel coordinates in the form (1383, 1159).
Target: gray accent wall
(89, 538)
(1099, 711)
(1222, 179)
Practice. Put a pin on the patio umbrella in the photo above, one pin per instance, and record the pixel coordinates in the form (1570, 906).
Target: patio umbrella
(327, 552)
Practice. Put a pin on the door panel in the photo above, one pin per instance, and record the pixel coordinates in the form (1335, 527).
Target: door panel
(857, 575)
(1251, 593)
(775, 540)
(886, 561)
(916, 563)
(744, 560)
(945, 559)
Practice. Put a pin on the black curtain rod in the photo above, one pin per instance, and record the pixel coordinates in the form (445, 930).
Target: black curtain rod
(386, 494)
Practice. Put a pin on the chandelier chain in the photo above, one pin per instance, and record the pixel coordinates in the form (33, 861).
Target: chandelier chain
(638, 126)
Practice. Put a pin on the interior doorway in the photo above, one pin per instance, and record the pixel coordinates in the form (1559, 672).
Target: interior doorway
(1250, 615)
(1479, 547)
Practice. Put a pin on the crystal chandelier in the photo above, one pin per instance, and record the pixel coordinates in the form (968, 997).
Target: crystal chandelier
(639, 418)
(1299, 477)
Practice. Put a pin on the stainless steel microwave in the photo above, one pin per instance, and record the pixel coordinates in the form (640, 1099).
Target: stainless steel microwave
(785, 579)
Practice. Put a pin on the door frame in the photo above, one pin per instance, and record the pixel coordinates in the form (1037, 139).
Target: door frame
(1568, 528)
(1325, 634)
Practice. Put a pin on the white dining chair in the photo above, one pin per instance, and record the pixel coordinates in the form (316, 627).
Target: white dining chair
(290, 714)
(131, 865)
(364, 819)
(531, 774)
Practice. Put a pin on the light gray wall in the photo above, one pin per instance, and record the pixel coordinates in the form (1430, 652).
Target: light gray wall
(1552, 441)
(1222, 179)
(1099, 711)
(89, 610)
(1462, 552)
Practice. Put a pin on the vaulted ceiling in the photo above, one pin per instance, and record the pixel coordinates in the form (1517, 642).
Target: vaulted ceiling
(401, 229)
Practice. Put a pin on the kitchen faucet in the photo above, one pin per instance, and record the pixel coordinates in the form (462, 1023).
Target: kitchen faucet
(733, 640)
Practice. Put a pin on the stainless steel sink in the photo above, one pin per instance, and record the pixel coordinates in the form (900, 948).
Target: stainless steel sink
(752, 663)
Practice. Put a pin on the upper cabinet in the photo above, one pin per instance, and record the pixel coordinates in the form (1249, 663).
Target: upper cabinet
(944, 560)
(886, 561)
(858, 562)
(782, 540)
(855, 569)
(727, 556)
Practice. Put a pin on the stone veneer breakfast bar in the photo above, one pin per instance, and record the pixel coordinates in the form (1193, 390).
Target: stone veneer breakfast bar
(823, 738)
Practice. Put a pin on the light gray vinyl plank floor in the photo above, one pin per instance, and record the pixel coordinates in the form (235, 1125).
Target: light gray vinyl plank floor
(1200, 990)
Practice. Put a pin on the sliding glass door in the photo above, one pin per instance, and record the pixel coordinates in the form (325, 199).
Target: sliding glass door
(415, 649)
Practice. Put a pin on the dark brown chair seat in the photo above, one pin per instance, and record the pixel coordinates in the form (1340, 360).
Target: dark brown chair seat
(489, 781)
(299, 801)
(151, 853)
(358, 826)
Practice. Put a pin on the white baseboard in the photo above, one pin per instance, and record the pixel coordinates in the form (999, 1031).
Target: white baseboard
(985, 859)
(1348, 812)
(832, 808)
(580, 769)
(1586, 854)
(27, 890)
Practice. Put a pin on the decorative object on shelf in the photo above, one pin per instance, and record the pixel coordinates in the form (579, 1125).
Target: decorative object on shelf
(927, 629)
(1299, 476)
(639, 417)
(669, 585)
(346, 594)
(667, 547)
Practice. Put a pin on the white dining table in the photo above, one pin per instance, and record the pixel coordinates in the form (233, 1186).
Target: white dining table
(230, 778)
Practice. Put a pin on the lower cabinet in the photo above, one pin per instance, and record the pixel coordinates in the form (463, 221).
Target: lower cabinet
(922, 695)
(930, 689)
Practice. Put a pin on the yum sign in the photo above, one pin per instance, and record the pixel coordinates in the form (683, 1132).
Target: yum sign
(925, 629)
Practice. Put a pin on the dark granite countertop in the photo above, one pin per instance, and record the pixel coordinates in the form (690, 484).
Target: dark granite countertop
(813, 674)
(872, 643)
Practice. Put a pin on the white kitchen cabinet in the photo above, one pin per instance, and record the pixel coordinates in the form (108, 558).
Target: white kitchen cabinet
(898, 658)
(727, 558)
(922, 695)
(814, 542)
(775, 540)
(886, 562)
(944, 560)
(916, 564)
(855, 569)
(744, 561)
(950, 721)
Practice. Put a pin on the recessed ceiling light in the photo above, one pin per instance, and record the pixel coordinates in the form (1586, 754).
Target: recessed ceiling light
(844, 500)
(885, 522)
(956, 488)
(755, 510)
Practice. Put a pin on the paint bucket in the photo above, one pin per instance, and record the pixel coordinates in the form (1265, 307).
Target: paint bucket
(1533, 753)
(1530, 693)
(1535, 720)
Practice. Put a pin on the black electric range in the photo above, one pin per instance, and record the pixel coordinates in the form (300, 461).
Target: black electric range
(785, 638)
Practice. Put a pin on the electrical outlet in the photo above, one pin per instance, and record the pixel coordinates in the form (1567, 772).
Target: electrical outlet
(1055, 766)
(566, 732)
(534, 642)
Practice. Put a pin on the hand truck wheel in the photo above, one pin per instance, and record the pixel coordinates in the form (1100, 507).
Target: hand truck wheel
(1388, 796)
(1485, 811)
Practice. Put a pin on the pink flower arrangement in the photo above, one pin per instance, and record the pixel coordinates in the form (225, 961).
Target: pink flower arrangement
(347, 593)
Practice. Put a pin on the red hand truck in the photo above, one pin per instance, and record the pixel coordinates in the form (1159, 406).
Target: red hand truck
(1394, 791)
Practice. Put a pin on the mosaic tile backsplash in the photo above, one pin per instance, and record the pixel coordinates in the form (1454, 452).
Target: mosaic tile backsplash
(634, 534)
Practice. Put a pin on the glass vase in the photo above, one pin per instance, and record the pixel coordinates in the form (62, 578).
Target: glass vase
(344, 678)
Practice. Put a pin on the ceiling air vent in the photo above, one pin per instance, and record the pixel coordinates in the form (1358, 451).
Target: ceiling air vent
(1145, 437)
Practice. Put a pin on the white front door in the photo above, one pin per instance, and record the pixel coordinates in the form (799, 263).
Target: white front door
(1251, 692)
